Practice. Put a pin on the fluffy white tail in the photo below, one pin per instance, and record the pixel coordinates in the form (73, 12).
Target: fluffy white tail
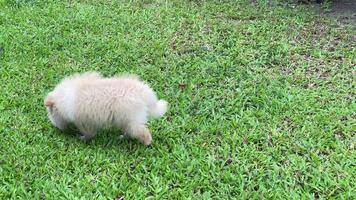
(158, 109)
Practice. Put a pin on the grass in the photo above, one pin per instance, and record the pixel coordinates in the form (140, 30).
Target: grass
(262, 100)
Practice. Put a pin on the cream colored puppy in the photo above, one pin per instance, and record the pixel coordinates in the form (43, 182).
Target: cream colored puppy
(92, 102)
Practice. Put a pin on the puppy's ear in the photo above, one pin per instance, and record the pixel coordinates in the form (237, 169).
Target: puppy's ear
(49, 102)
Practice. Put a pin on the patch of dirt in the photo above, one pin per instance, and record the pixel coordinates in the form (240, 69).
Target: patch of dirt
(344, 10)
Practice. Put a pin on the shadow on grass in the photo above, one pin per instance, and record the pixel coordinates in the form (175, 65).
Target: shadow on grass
(105, 139)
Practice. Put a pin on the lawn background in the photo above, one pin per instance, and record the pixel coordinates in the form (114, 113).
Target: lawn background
(261, 93)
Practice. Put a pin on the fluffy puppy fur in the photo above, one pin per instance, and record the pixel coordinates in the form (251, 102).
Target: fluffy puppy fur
(92, 102)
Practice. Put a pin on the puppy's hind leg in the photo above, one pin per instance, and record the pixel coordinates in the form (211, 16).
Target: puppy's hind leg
(134, 123)
(140, 132)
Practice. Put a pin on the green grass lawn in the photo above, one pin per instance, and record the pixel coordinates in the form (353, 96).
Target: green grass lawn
(262, 100)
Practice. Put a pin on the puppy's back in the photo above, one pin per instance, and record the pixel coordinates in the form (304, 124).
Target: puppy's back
(103, 100)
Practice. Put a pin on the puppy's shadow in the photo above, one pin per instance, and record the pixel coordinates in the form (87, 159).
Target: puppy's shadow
(104, 139)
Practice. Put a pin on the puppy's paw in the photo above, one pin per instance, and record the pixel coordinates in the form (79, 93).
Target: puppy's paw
(124, 137)
(146, 139)
(84, 138)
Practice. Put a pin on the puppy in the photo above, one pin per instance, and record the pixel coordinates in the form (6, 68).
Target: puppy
(92, 102)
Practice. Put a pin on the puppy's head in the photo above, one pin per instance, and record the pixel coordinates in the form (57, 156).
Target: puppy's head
(54, 113)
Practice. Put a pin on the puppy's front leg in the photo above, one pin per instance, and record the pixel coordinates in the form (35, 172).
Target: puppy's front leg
(86, 131)
(85, 137)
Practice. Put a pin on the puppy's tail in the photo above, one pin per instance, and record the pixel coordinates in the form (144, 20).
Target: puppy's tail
(158, 109)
